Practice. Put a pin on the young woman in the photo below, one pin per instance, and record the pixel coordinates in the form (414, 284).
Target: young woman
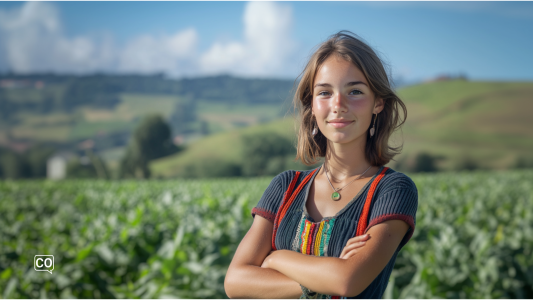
(334, 231)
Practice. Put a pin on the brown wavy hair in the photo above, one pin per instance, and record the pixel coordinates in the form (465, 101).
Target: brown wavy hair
(351, 48)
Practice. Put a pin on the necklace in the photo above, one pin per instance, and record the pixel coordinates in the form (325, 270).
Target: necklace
(336, 195)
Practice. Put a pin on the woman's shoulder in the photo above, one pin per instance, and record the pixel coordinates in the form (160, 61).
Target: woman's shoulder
(285, 178)
(393, 180)
(272, 197)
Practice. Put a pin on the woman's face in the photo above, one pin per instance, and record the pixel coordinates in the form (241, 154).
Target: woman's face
(343, 102)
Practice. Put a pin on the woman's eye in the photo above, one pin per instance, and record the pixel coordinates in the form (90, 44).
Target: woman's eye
(354, 92)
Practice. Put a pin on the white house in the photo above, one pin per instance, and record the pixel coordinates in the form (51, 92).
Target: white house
(56, 166)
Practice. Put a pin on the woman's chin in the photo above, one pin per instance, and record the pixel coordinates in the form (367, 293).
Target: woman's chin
(343, 138)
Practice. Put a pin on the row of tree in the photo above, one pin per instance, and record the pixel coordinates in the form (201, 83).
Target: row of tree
(29, 164)
(264, 154)
(152, 139)
(67, 93)
(427, 162)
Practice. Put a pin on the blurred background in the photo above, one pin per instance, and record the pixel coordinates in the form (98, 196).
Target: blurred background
(78, 78)
(196, 97)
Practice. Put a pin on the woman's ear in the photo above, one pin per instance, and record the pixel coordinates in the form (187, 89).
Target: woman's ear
(379, 105)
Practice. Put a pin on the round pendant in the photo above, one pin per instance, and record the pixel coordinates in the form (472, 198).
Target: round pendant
(335, 196)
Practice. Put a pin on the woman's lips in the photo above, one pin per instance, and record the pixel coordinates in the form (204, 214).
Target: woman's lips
(339, 123)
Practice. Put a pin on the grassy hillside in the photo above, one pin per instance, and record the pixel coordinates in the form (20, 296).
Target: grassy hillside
(222, 148)
(487, 123)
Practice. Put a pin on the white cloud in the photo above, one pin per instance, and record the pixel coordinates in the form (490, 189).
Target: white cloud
(32, 40)
(267, 48)
(148, 54)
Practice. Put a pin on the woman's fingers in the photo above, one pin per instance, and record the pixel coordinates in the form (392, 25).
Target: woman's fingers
(359, 238)
(352, 244)
(351, 247)
(350, 254)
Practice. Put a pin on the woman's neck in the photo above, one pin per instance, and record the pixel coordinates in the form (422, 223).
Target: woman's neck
(343, 161)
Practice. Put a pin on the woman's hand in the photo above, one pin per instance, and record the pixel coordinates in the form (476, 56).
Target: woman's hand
(353, 245)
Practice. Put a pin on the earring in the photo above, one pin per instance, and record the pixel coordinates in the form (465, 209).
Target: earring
(372, 130)
(315, 130)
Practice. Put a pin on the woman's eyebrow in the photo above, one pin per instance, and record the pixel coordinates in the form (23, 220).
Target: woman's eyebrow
(355, 83)
(348, 84)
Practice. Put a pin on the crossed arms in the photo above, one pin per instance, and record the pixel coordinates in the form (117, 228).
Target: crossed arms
(254, 273)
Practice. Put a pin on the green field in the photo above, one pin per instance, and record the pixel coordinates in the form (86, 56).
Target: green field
(223, 117)
(176, 238)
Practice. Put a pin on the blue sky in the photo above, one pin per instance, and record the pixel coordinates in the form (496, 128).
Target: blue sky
(420, 40)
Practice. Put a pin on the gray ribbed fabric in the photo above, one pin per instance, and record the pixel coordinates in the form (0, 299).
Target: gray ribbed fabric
(395, 197)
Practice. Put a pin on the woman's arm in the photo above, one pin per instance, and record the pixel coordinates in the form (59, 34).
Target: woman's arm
(343, 277)
(245, 277)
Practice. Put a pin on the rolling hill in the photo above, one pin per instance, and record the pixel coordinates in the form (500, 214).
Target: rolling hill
(488, 124)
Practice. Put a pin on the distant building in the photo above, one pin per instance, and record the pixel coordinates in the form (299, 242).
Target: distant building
(178, 140)
(446, 77)
(17, 84)
(87, 144)
(56, 166)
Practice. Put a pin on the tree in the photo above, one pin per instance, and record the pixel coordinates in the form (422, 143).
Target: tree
(419, 162)
(81, 167)
(96, 91)
(466, 162)
(265, 153)
(523, 162)
(13, 165)
(425, 162)
(152, 139)
(184, 116)
(36, 159)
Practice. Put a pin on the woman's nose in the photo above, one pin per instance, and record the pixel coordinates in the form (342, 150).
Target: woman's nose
(339, 103)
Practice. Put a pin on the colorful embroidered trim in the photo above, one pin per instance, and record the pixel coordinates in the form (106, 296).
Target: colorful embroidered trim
(313, 238)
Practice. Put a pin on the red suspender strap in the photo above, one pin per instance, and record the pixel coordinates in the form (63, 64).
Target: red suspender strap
(286, 203)
(288, 192)
(363, 219)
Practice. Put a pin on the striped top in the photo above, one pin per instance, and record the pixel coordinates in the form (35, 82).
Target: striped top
(395, 198)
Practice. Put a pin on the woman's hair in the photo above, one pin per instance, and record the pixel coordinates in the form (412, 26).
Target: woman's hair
(349, 46)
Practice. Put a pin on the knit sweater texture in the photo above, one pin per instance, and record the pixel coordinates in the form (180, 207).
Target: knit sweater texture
(395, 198)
